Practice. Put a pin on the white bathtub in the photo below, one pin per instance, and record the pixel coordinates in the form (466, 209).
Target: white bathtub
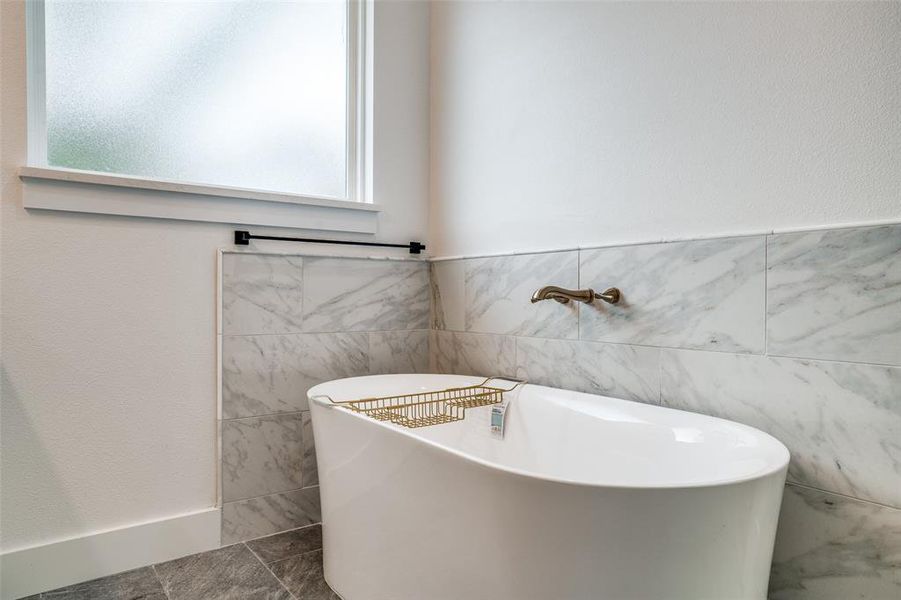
(586, 497)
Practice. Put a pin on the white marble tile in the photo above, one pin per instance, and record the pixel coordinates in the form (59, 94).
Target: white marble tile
(310, 466)
(265, 374)
(836, 294)
(841, 421)
(365, 295)
(830, 547)
(448, 279)
(498, 292)
(261, 455)
(399, 352)
(249, 519)
(706, 294)
(617, 370)
(472, 354)
(261, 293)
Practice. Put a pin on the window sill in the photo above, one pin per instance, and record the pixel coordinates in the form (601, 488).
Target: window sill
(103, 193)
(146, 183)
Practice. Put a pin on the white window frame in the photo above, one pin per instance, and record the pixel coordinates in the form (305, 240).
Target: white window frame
(153, 197)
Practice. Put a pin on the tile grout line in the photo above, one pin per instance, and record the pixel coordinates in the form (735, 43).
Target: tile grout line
(660, 378)
(286, 413)
(300, 489)
(836, 361)
(263, 537)
(684, 349)
(293, 556)
(766, 295)
(303, 289)
(788, 482)
(265, 566)
(339, 332)
(611, 343)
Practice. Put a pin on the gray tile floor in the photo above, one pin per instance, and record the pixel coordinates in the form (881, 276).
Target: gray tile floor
(284, 566)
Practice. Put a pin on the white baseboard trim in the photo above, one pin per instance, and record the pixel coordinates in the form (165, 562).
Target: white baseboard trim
(49, 566)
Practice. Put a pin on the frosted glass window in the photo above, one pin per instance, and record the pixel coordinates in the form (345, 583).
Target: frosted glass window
(246, 94)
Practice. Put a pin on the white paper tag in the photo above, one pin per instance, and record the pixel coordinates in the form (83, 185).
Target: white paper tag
(498, 418)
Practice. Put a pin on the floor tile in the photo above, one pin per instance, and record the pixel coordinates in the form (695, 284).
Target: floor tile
(139, 584)
(230, 573)
(303, 576)
(290, 543)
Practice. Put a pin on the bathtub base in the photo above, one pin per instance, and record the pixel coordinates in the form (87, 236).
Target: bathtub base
(405, 523)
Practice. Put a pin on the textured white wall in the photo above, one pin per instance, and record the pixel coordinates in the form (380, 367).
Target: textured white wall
(108, 404)
(556, 124)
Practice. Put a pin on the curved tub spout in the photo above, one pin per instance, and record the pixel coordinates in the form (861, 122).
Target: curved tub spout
(563, 295)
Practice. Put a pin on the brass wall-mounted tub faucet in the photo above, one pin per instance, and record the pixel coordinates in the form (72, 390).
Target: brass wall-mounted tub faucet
(562, 295)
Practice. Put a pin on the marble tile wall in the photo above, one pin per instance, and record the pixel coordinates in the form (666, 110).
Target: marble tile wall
(287, 324)
(798, 334)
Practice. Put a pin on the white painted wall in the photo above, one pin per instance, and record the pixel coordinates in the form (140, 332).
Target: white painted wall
(556, 124)
(108, 404)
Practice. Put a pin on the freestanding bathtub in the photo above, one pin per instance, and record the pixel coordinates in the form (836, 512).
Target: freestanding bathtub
(585, 498)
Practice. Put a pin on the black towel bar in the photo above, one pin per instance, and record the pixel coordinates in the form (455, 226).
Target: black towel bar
(242, 238)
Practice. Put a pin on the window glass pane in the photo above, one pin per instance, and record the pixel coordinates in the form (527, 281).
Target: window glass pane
(248, 94)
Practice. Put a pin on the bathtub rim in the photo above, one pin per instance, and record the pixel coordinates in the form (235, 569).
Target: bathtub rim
(324, 402)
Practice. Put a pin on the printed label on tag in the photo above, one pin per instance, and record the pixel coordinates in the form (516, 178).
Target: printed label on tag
(498, 417)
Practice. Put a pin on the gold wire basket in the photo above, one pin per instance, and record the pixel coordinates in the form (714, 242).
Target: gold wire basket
(430, 408)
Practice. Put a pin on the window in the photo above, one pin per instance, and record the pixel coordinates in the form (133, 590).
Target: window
(246, 94)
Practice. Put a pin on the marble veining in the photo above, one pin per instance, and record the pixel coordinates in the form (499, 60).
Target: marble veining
(230, 573)
(498, 291)
(137, 584)
(265, 515)
(706, 294)
(295, 558)
(448, 295)
(290, 323)
(830, 547)
(310, 469)
(261, 293)
(833, 295)
(286, 566)
(289, 543)
(399, 352)
(303, 576)
(261, 455)
(841, 421)
(836, 294)
(342, 294)
(472, 354)
(617, 370)
(268, 374)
